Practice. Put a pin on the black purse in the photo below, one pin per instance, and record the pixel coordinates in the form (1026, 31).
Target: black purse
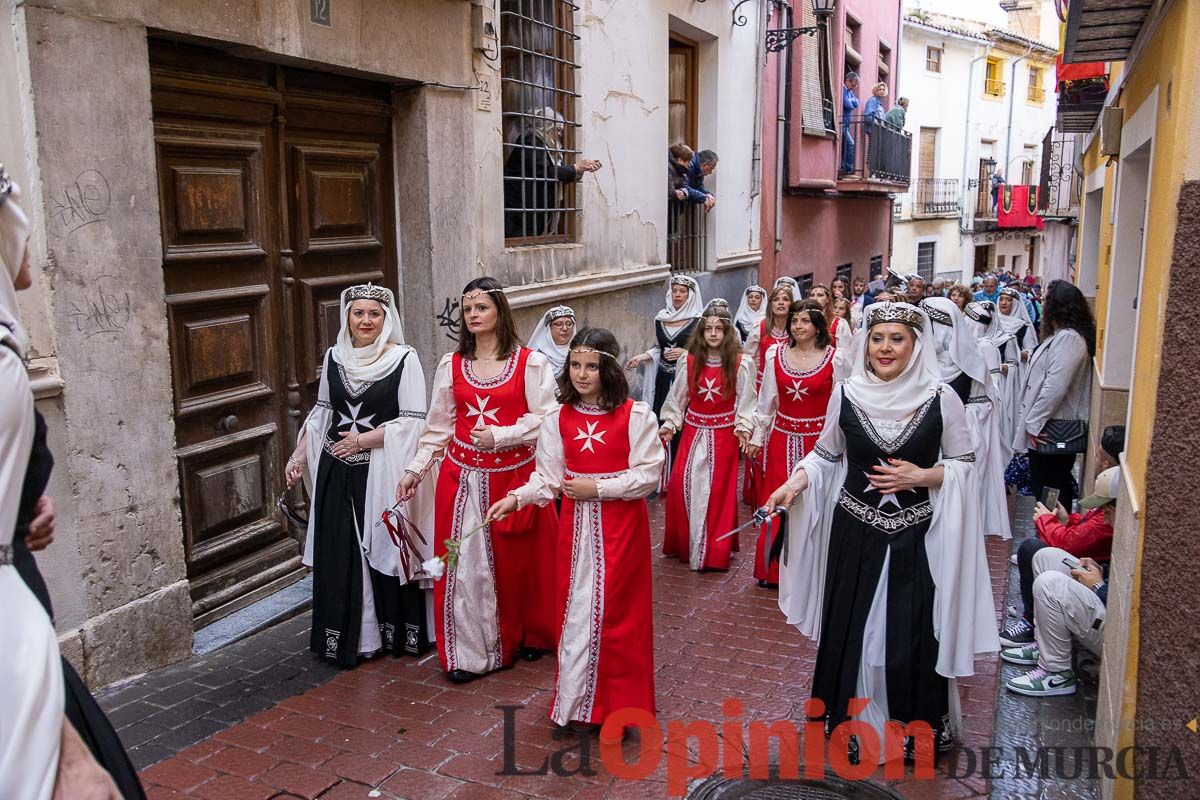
(1063, 437)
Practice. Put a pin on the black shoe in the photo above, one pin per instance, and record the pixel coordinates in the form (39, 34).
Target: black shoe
(462, 676)
(530, 653)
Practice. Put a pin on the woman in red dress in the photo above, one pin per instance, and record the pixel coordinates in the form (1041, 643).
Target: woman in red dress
(772, 330)
(601, 451)
(839, 329)
(712, 402)
(488, 401)
(791, 410)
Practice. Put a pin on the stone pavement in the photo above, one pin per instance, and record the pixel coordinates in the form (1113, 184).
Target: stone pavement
(398, 729)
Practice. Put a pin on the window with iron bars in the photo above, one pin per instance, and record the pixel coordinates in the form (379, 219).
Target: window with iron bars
(538, 96)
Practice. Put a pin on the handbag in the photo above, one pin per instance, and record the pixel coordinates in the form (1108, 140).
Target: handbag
(1063, 437)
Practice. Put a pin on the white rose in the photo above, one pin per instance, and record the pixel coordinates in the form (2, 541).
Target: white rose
(434, 568)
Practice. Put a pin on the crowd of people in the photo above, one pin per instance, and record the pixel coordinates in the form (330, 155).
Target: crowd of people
(877, 429)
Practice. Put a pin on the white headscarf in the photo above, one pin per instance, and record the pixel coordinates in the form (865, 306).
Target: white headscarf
(14, 239)
(789, 281)
(1020, 316)
(983, 320)
(957, 348)
(542, 340)
(692, 308)
(375, 361)
(542, 123)
(898, 399)
(747, 317)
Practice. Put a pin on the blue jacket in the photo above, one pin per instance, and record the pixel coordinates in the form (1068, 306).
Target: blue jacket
(981, 295)
(874, 109)
(697, 193)
(849, 103)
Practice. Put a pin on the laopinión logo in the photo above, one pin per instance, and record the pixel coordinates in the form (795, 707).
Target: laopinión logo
(737, 747)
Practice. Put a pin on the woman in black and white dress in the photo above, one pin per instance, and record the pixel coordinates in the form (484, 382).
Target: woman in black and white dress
(353, 449)
(899, 599)
(673, 327)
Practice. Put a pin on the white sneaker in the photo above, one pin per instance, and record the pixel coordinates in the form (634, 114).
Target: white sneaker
(1040, 683)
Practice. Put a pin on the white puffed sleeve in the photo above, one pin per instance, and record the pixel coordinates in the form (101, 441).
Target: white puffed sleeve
(545, 482)
(439, 420)
(768, 399)
(646, 455)
(750, 348)
(541, 398)
(676, 403)
(747, 395)
(956, 433)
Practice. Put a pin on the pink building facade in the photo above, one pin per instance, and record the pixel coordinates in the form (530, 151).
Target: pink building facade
(821, 220)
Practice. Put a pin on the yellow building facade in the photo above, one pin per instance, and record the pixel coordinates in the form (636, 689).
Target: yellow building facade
(1141, 179)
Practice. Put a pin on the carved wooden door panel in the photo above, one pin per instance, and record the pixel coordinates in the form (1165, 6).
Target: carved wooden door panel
(262, 227)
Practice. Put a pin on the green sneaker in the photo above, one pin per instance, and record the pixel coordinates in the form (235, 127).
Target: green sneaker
(1040, 683)
(1025, 656)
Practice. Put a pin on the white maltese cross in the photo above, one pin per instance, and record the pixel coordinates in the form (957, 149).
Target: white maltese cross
(709, 389)
(884, 497)
(357, 424)
(481, 411)
(797, 391)
(589, 436)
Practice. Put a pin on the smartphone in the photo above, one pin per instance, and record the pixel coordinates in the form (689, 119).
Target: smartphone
(1072, 563)
(1050, 497)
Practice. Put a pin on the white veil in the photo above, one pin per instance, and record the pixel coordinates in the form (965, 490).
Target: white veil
(375, 361)
(542, 340)
(692, 307)
(898, 399)
(957, 348)
(747, 317)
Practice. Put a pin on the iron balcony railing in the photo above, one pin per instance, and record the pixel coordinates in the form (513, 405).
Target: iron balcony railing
(873, 150)
(937, 197)
(1061, 185)
(993, 87)
(687, 236)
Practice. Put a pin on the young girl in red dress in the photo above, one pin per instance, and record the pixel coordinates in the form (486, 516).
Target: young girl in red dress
(792, 401)
(712, 402)
(601, 451)
(489, 397)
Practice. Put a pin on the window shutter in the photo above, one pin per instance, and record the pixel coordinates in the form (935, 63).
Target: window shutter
(812, 114)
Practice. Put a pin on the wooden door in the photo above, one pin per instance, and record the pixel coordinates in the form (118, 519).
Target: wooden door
(272, 199)
(682, 79)
(927, 154)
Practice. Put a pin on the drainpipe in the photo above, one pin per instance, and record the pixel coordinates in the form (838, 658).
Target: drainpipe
(760, 65)
(783, 103)
(965, 219)
(1012, 81)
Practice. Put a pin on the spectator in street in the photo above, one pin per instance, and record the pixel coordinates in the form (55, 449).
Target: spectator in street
(874, 109)
(1068, 595)
(533, 172)
(914, 288)
(938, 289)
(960, 294)
(679, 157)
(701, 166)
(838, 287)
(1112, 444)
(1029, 280)
(896, 114)
(849, 104)
(1057, 389)
(877, 284)
(990, 290)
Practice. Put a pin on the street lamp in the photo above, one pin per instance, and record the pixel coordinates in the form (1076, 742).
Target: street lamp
(781, 38)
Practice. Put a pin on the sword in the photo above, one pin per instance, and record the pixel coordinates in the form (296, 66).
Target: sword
(760, 516)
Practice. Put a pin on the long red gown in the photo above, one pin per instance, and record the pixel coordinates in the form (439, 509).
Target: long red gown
(603, 584)
(702, 492)
(793, 404)
(752, 476)
(500, 595)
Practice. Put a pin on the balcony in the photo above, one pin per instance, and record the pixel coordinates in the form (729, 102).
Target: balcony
(1103, 30)
(1080, 102)
(1060, 184)
(1036, 94)
(993, 88)
(874, 156)
(687, 236)
(937, 197)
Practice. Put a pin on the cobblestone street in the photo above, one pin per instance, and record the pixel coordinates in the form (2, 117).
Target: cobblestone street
(262, 718)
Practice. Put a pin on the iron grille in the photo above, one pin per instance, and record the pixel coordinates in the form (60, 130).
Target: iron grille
(687, 236)
(538, 96)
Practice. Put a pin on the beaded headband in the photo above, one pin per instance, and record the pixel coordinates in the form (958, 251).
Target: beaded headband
(558, 312)
(937, 315)
(476, 292)
(717, 302)
(684, 280)
(756, 288)
(369, 291)
(585, 349)
(889, 312)
(980, 312)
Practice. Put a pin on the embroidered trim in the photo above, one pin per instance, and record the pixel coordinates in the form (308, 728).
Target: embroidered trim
(882, 520)
(585, 408)
(324, 404)
(497, 456)
(510, 366)
(362, 457)
(709, 421)
(346, 384)
(712, 362)
(6, 555)
(978, 399)
(967, 457)
(596, 476)
(937, 315)
(895, 444)
(596, 541)
(411, 414)
(793, 373)
(825, 454)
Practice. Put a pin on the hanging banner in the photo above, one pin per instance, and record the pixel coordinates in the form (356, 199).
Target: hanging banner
(1018, 208)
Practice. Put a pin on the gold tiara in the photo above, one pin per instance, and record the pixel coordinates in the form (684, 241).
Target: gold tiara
(893, 312)
(369, 291)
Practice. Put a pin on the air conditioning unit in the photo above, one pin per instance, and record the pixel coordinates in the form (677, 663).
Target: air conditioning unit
(1111, 120)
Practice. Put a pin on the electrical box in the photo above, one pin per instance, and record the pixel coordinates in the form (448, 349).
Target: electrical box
(1112, 118)
(485, 37)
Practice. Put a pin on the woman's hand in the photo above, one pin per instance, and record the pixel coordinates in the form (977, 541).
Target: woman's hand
(1004, 369)
(899, 476)
(637, 361)
(407, 486)
(41, 527)
(294, 471)
(483, 438)
(587, 165)
(348, 446)
(673, 353)
(752, 450)
(743, 438)
(580, 489)
(786, 494)
(501, 509)
(1024, 355)
(666, 433)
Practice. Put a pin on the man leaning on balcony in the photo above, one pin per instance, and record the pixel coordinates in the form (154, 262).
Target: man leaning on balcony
(702, 165)
(849, 103)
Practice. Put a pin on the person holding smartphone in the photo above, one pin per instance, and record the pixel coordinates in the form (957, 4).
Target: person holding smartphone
(1087, 535)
